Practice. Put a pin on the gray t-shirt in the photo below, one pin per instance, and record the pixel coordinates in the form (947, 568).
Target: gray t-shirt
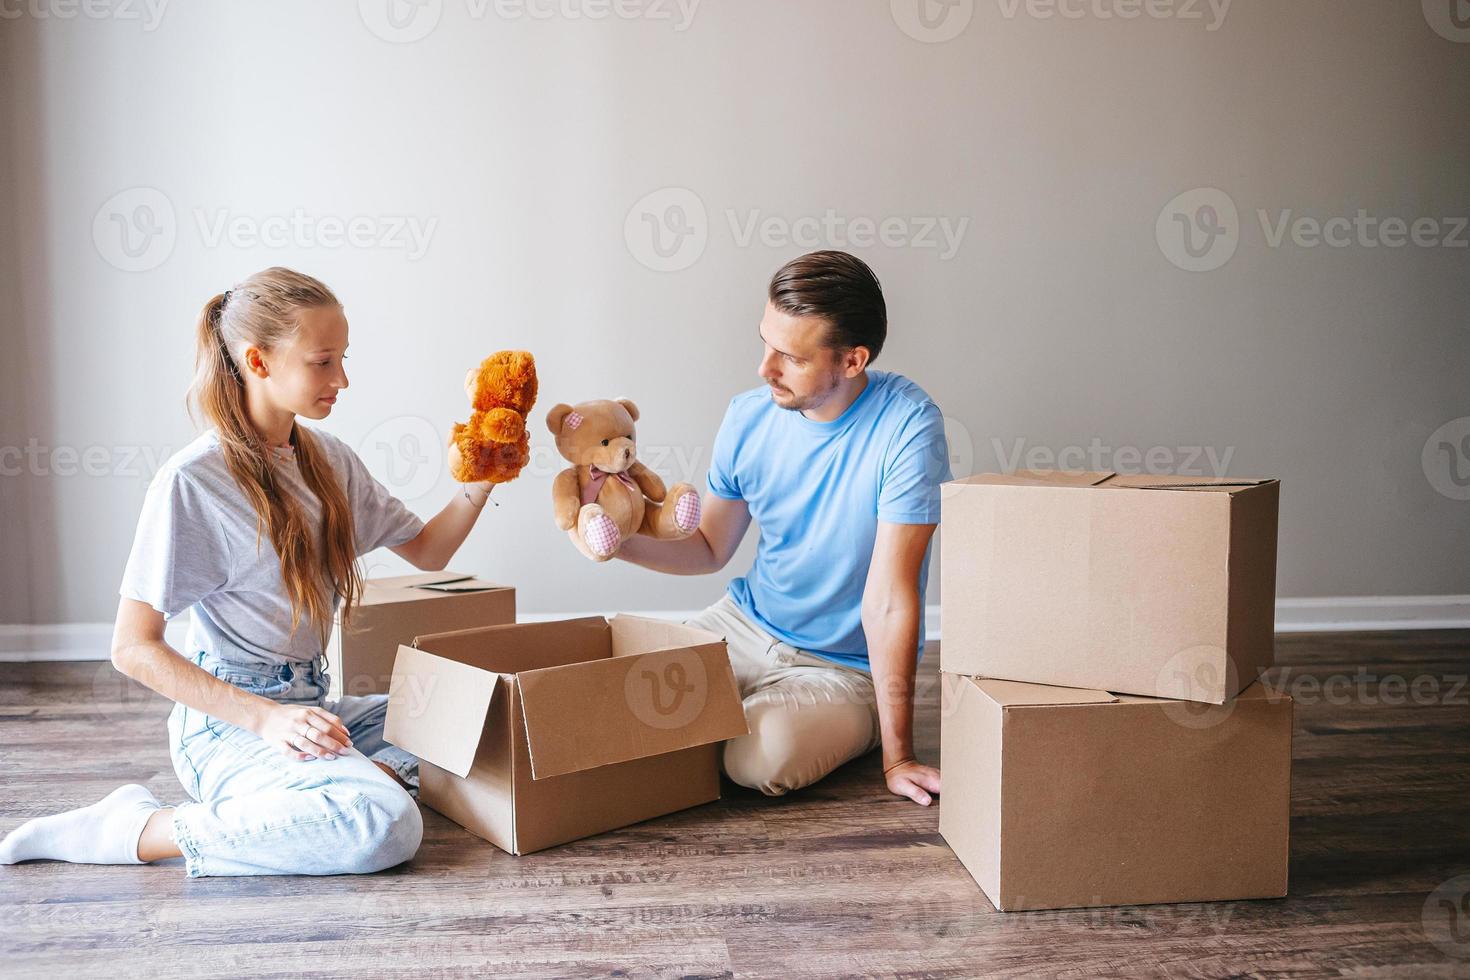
(195, 549)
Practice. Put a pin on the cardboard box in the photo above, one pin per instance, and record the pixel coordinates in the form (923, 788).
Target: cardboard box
(536, 734)
(1155, 585)
(1060, 798)
(396, 609)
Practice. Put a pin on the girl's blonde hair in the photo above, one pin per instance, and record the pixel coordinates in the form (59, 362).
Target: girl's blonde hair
(264, 312)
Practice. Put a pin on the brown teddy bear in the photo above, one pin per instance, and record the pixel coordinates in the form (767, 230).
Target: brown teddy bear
(607, 495)
(494, 446)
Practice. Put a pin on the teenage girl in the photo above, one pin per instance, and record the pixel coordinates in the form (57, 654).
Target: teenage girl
(256, 527)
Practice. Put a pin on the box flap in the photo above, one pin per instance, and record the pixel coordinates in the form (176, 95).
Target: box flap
(422, 585)
(1156, 481)
(632, 635)
(511, 647)
(437, 708)
(417, 579)
(460, 586)
(580, 716)
(1039, 478)
(1016, 693)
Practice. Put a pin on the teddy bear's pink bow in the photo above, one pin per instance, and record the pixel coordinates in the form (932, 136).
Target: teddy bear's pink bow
(598, 478)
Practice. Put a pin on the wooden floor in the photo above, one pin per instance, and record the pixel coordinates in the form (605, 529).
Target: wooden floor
(840, 879)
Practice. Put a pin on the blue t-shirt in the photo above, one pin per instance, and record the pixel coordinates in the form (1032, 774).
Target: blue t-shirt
(818, 490)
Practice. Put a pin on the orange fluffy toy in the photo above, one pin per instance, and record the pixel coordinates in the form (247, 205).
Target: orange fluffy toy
(493, 446)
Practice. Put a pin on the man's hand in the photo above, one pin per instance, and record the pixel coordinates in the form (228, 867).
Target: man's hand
(913, 779)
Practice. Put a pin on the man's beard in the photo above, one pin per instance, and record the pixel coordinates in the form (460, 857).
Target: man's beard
(814, 400)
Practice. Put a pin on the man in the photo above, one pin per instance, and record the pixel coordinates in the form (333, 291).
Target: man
(840, 466)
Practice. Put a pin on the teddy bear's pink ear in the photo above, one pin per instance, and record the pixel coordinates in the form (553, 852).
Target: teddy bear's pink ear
(627, 403)
(559, 415)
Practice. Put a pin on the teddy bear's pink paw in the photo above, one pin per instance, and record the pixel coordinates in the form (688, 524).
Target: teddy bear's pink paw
(686, 512)
(602, 536)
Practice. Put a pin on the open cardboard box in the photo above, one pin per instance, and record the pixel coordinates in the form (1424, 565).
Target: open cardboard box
(1060, 797)
(1156, 585)
(395, 609)
(535, 734)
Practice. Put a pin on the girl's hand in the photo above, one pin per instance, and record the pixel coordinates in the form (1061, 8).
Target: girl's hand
(305, 733)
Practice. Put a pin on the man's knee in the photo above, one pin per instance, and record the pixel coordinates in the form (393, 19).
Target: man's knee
(382, 828)
(794, 741)
(762, 761)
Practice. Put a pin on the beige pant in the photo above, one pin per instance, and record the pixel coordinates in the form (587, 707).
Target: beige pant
(807, 716)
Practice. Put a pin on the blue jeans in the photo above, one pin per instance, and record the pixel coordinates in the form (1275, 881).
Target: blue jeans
(260, 812)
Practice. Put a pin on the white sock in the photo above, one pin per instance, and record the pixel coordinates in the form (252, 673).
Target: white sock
(106, 832)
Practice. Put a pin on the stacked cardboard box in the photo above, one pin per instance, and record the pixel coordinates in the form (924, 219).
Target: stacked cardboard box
(1105, 739)
(395, 609)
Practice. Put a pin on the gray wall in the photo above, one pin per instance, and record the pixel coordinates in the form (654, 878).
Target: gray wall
(523, 147)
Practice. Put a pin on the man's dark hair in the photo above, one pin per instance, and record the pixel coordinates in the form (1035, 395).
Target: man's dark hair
(842, 290)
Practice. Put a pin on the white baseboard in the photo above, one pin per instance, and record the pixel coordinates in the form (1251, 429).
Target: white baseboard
(1407, 612)
(92, 641)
